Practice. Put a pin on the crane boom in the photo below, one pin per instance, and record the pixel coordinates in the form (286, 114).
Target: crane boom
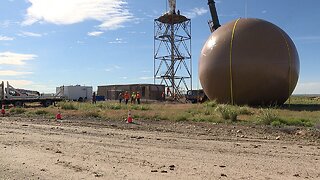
(214, 23)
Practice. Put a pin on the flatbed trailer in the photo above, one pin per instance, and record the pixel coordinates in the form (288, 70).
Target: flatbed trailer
(10, 95)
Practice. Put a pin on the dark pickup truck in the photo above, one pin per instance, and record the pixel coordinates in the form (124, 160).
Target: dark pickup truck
(195, 96)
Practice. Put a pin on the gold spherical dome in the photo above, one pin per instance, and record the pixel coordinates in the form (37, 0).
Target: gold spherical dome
(249, 61)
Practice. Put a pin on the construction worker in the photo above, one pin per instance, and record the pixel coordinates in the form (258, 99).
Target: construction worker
(168, 91)
(120, 97)
(3, 111)
(174, 96)
(133, 98)
(138, 96)
(126, 97)
(94, 100)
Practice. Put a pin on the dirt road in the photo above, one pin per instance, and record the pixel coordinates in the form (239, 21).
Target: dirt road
(92, 149)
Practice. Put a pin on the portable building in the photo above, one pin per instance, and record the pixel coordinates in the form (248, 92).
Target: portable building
(147, 91)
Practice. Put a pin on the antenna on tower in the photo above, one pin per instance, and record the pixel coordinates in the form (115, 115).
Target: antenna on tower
(166, 5)
(172, 4)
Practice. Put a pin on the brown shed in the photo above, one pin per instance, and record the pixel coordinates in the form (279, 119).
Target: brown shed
(147, 91)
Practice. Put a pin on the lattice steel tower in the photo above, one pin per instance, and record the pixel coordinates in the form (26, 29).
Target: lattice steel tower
(172, 52)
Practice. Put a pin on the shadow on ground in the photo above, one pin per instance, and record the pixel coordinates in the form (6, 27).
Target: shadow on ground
(301, 107)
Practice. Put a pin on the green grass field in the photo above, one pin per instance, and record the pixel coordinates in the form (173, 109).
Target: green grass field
(302, 111)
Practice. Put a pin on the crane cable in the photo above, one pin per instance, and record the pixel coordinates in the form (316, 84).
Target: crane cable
(230, 67)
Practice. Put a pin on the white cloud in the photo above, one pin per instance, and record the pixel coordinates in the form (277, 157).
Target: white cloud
(80, 42)
(111, 13)
(31, 34)
(4, 24)
(10, 58)
(95, 33)
(264, 11)
(112, 68)
(135, 32)
(27, 84)
(118, 41)
(117, 67)
(145, 78)
(6, 38)
(196, 12)
(7, 23)
(13, 73)
(19, 83)
(42, 88)
(114, 23)
(308, 88)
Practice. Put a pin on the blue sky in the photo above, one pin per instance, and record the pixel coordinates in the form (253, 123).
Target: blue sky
(49, 43)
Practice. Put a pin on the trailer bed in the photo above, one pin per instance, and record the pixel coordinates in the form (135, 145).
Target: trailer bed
(10, 95)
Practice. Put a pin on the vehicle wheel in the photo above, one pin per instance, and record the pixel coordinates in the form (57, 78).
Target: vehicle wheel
(18, 104)
(47, 103)
(80, 99)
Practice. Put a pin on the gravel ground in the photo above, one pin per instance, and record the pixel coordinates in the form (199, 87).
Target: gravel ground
(38, 148)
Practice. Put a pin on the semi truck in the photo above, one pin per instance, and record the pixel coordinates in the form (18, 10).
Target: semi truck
(18, 97)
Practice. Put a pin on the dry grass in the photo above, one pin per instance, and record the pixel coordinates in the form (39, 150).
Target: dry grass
(303, 111)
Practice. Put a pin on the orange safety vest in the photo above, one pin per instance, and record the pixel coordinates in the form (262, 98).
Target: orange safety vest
(126, 96)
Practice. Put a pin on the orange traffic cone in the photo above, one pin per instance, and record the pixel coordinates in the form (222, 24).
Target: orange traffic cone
(58, 116)
(129, 119)
(3, 111)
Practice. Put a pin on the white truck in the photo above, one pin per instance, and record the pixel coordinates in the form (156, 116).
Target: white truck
(18, 97)
(75, 93)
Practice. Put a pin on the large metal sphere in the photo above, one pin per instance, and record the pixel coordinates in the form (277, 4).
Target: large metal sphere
(249, 61)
